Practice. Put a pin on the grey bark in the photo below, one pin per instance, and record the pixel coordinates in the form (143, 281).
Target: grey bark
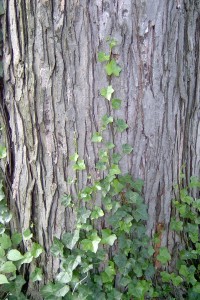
(51, 92)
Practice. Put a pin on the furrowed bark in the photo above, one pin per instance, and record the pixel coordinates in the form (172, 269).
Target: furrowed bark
(51, 93)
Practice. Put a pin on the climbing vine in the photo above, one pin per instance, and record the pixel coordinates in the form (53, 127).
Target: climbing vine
(108, 254)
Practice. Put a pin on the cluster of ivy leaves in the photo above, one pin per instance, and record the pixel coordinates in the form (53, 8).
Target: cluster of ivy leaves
(117, 261)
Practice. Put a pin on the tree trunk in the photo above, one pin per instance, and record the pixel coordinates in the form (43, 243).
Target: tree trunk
(51, 97)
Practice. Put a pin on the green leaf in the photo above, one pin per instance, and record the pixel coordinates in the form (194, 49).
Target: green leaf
(97, 137)
(36, 250)
(166, 277)
(27, 259)
(114, 170)
(14, 255)
(107, 237)
(121, 125)
(107, 92)
(112, 68)
(118, 187)
(5, 241)
(66, 200)
(3, 152)
(196, 288)
(100, 165)
(97, 213)
(112, 43)
(141, 213)
(91, 244)
(116, 157)
(103, 155)
(133, 197)
(116, 103)
(1, 8)
(102, 56)
(57, 247)
(27, 235)
(127, 149)
(137, 185)
(36, 275)
(3, 279)
(82, 215)
(79, 166)
(176, 225)
(70, 239)
(164, 255)
(65, 276)
(74, 157)
(110, 145)
(107, 120)
(54, 289)
(16, 238)
(2, 252)
(109, 273)
(8, 267)
(177, 280)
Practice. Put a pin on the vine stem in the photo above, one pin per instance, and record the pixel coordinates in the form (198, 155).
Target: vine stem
(79, 283)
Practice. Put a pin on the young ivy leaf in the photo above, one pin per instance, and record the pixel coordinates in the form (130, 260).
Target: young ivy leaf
(116, 103)
(163, 255)
(107, 92)
(107, 119)
(79, 166)
(97, 138)
(102, 56)
(74, 157)
(112, 68)
(127, 149)
(121, 125)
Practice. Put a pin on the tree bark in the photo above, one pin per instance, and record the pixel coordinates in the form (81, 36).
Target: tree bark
(51, 97)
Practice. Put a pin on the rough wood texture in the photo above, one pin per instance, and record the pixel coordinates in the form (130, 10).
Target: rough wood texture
(52, 83)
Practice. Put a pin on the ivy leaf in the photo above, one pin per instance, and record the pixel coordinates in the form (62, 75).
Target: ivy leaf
(74, 157)
(97, 138)
(176, 225)
(97, 213)
(36, 250)
(3, 279)
(82, 215)
(121, 125)
(141, 213)
(106, 120)
(70, 239)
(66, 200)
(16, 238)
(108, 275)
(64, 277)
(110, 145)
(100, 165)
(14, 255)
(112, 42)
(90, 244)
(164, 255)
(57, 247)
(116, 157)
(80, 165)
(3, 152)
(36, 275)
(5, 241)
(8, 267)
(114, 170)
(127, 149)
(112, 68)
(107, 237)
(118, 187)
(102, 56)
(54, 289)
(116, 103)
(27, 235)
(107, 92)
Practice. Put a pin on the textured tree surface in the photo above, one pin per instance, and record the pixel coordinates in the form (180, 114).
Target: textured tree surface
(52, 101)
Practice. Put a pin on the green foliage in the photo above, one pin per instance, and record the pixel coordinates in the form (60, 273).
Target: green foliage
(115, 260)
